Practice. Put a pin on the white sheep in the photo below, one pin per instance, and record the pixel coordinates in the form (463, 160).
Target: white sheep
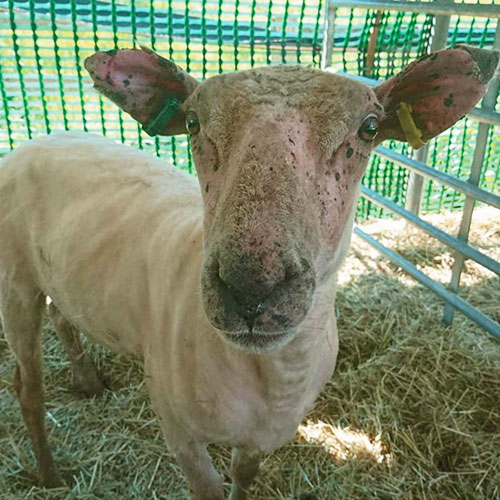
(228, 297)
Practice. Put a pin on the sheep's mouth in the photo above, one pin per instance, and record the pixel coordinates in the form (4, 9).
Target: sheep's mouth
(258, 341)
(257, 325)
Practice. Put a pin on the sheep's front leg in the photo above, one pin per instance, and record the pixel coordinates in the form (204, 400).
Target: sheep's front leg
(204, 482)
(244, 468)
(21, 311)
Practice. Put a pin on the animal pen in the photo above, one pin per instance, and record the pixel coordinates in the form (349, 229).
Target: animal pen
(412, 411)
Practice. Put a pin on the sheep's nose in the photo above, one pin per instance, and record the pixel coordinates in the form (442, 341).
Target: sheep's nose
(247, 285)
(246, 297)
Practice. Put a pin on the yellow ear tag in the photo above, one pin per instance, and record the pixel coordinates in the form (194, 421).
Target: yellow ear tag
(412, 133)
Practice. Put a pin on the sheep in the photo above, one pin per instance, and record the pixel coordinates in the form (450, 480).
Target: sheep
(226, 293)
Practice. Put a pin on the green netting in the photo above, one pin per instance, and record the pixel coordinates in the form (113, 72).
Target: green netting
(44, 87)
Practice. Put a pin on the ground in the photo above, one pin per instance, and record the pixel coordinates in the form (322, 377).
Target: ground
(412, 411)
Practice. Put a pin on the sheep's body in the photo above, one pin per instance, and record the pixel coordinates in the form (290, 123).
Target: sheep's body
(93, 215)
(114, 237)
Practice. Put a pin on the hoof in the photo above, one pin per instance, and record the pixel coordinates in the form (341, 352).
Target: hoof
(86, 381)
(307, 496)
(52, 480)
(89, 388)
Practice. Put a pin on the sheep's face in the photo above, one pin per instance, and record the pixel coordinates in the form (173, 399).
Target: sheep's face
(279, 153)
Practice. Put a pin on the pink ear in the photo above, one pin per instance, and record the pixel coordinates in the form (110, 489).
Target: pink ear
(439, 88)
(145, 85)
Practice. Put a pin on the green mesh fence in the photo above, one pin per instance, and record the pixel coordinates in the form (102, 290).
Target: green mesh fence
(44, 88)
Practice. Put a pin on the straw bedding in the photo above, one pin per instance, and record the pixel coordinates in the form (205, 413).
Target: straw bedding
(412, 411)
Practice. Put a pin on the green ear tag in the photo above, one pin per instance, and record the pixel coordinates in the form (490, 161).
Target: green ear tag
(160, 121)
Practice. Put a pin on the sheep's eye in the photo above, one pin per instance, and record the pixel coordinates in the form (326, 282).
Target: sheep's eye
(192, 123)
(369, 128)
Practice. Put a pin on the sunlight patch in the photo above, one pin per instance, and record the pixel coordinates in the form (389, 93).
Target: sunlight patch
(345, 443)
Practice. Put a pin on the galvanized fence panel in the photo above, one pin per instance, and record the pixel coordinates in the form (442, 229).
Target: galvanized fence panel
(476, 143)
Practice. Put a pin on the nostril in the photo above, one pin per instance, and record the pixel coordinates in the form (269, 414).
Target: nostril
(296, 269)
(245, 298)
(248, 290)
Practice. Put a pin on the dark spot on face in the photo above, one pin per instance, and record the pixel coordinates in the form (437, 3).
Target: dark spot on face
(434, 57)
(349, 152)
(435, 76)
(337, 176)
(111, 52)
(291, 140)
(207, 187)
(181, 77)
(279, 318)
(165, 63)
(469, 73)
(216, 167)
(130, 77)
(448, 102)
(436, 88)
(126, 82)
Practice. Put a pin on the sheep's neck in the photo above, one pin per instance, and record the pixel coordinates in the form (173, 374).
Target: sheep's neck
(290, 378)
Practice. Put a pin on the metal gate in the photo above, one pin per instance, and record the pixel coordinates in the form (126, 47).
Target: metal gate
(485, 115)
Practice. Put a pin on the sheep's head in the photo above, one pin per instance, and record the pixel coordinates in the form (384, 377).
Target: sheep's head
(280, 152)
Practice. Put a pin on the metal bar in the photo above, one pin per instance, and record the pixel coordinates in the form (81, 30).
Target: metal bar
(327, 49)
(464, 187)
(416, 184)
(462, 9)
(464, 248)
(479, 114)
(489, 101)
(485, 116)
(472, 313)
(440, 38)
(372, 45)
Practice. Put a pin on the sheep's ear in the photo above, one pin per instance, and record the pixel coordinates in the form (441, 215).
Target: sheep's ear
(432, 93)
(145, 85)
